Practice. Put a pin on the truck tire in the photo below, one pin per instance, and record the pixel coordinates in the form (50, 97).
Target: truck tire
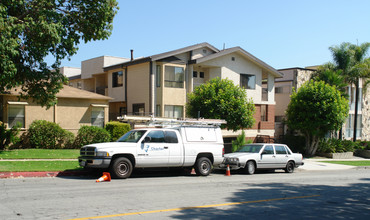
(250, 168)
(203, 166)
(121, 168)
(289, 167)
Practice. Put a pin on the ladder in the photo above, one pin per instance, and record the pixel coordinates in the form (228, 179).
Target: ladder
(153, 121)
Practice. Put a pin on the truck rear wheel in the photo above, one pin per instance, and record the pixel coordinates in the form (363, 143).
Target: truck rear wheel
(203, 166)
(121, 168)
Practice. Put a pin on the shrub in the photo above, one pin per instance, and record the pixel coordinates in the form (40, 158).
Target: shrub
(337, 146)
(8, 136)
(89, 135)
(48, 135)
(117, 129)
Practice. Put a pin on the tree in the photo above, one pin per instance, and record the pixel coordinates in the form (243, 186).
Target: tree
(329, 75)
(351, 60)
(221, 99)
(238, 142)
(33, 29)
(314, 110)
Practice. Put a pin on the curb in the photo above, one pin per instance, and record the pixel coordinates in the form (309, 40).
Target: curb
(4, 175)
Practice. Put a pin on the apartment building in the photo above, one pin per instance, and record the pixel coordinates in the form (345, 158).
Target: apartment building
(295, 77)
(158, 84)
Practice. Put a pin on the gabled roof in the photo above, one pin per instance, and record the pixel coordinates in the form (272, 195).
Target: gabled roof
(67, 92)
(244, 53)
(161, 56)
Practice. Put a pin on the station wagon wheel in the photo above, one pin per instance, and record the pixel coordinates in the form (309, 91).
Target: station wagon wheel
(289, 167)
(121, 168)
(203, 166)
(250, 168)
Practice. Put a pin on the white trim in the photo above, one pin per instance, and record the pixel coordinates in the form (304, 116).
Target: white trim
(99, 105)
(17, 103)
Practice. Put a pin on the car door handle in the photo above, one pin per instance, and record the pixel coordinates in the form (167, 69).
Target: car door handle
(165, 147)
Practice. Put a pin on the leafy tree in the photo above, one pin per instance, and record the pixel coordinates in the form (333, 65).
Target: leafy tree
(30, 30)
(329, 75)
(314, 110)
(221, 99)
(352, 61)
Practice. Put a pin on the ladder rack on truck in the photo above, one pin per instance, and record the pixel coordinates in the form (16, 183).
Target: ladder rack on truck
(153, 121)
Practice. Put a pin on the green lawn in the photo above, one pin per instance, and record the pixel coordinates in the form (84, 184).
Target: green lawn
(40, 154)
(14, 166)
(351, 163)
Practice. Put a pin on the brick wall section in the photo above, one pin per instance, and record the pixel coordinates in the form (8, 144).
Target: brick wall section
(270, 123)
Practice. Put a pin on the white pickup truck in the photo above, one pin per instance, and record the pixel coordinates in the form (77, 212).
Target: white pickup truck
(263, 156)
(183, 146)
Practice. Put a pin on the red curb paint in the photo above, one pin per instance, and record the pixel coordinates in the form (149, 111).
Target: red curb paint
(40, 174)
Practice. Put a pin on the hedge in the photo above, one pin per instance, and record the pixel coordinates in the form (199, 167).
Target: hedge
(117, 129)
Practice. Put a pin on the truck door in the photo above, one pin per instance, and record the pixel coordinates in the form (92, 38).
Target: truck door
(153, 151)
(176, 149)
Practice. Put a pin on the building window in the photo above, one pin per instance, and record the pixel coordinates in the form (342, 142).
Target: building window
(279, 118)
(247, 81)
(195, 74)
(278, 90)
(117, 79)
(97, 117)
(201, 74)
(158, 74)
(79, 85)
(138, 109)
(263, 112)
(15, 115)
(158, 110)
(122, 111)
(174, 77)
(173, 111)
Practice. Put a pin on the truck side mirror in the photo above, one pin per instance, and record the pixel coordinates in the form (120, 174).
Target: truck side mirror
(147, 139)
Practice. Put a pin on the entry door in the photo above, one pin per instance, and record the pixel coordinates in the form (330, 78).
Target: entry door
(267, 158)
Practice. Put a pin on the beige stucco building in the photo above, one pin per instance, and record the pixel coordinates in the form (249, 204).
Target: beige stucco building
(295, 77)
(158, 84)
(75, 108)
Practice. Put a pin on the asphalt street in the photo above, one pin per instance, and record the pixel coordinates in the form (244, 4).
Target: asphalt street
(305, 194)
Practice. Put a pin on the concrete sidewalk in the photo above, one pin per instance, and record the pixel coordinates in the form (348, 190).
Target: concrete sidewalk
(317, 164)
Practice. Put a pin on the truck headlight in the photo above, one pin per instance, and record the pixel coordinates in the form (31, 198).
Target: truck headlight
(102, 154)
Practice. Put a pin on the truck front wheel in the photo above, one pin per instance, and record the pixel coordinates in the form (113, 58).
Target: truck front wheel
(121, 168)
(203, 166)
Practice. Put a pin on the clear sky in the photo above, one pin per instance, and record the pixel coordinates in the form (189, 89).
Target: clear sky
(282, 33)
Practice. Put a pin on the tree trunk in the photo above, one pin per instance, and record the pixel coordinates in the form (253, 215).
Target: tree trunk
(356, 111)
(312, 143)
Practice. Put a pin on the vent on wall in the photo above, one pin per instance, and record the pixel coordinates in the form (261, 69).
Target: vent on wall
(233, 58)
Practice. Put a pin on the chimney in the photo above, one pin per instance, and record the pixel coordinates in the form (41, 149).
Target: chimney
(132, 54)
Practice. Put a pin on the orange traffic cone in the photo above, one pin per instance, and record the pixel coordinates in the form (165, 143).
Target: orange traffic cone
(193, 172)
(105, 177)
(228, 171)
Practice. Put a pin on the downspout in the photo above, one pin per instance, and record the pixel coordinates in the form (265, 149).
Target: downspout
(151, 87)
(126, 88)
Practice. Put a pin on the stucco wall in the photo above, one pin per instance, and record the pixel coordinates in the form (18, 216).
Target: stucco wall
(232, 68)
(138, 86)
(117, 93)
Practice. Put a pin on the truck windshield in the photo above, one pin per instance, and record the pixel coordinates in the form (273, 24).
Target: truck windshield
(250, 148)
(132, 136)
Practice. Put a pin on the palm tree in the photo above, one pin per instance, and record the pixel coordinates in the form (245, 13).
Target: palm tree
(351, 60)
